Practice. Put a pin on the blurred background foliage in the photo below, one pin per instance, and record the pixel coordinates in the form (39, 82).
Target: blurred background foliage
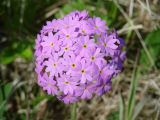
(136, 91)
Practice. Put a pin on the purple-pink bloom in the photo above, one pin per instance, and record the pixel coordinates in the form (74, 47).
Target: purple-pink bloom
(49, 84)
(103, 86)
(83, 72)
(67, 22)
(67, 99)
(67, 84)
(76, 57)
(84, 28)
(98, 25)
(50, 43)
(52, 26)
(84, 44)
(85, 91)
(67, 35)
(95, 56)
(53, 65)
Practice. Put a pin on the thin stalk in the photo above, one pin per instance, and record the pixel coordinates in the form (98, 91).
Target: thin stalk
(73, 111)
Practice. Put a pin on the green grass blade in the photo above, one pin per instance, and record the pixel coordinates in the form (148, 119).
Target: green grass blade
(157, 115)
(139, 107)
(122, 108)
(132, 94)
(132, 91)
(2, 109)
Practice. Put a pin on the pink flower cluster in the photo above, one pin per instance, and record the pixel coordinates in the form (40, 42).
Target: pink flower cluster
(76, 57)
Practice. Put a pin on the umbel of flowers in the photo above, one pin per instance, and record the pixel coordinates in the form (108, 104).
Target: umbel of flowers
(76, 57)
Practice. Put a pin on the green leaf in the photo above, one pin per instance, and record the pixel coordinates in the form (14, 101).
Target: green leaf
(73, 5)
(111, 12)
(5, 91)
(152, 42)
(2, 110)
(26, 53)
(4, 94)
(113, 116)
(38, 99)
(16, 49)
(7, 56)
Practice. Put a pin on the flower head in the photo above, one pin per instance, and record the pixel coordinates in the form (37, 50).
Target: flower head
(76, 57)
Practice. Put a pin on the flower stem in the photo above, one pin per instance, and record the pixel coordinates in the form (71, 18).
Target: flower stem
(73, 111)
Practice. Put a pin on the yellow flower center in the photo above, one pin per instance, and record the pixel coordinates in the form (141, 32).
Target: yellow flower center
(93, 58)
(51, 44)
(49, 84)
(67, 36)
(105, 44)
(85, 46)
(96, 26)
(82, 71)
(66, 82)
(66, 48)
(83, 31)
(73, 65)
(100, 71)
(54, 65)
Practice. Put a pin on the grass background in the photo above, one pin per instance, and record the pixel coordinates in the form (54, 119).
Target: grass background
(136, 91)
